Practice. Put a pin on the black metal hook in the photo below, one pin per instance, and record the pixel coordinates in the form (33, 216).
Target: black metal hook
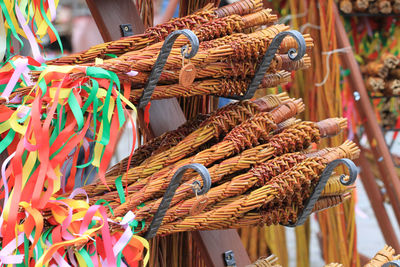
(326, 174)
(269, 56)
(162, 59)
(395, 263)
(173, 185)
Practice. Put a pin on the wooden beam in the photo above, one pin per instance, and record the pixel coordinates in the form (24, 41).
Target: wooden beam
(375, 137)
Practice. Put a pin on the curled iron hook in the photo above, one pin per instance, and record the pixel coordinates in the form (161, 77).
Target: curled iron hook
(294, 54)
(162, 59)
(395, 263)
(326, 174)
(173, 185)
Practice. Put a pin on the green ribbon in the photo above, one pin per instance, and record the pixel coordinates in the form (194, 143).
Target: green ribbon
(120, 189)
(76, 110)
(44, 15)
(7, 140)
(105, 203)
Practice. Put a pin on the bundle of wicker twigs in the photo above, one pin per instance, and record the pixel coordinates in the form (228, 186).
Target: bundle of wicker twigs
(256, 154)
(370, 6)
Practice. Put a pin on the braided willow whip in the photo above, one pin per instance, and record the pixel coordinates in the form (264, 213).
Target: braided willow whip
(242, 183)
(277, 188)
(224, 69)
(157, 144)
(220, 87)
(157, 33)
(245, 135)
(296, 137)
(222, 122)
(276, 216)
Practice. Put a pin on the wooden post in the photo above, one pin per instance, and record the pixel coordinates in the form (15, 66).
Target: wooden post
(165, 115)
(375, 137)
(213, 244)
(376, 200)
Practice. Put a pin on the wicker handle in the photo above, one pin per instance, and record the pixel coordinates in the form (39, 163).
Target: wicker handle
(162, 59)
(326, 174)
(165, 202)
(293, 54)
(395, 263)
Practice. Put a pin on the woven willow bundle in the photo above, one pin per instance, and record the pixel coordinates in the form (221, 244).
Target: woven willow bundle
(216, 126)
(253, 46)
(293, 184)
(295, 138)
(158, 33)
(241, 183)
(247, 134)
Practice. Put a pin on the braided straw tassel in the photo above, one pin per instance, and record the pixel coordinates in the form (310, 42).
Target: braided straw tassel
(245, 135)
(220, 123)
(157, 144)
(375, 68)
(392, 87)
(156, 34)
(242, 183)
(383, 256)
(390, 61)
(334, 265)
(374, 84)
(270, 261)
(346, 6)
